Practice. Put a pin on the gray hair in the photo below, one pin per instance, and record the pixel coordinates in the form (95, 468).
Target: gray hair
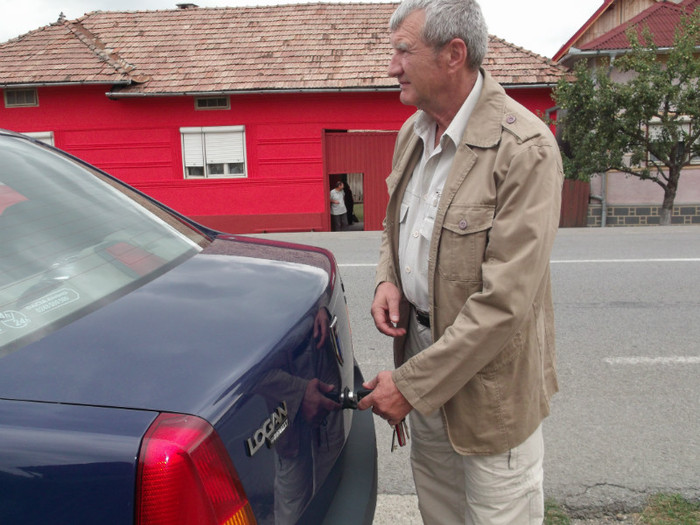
(448, 19)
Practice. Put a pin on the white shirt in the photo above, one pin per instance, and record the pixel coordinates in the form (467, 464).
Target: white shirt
(339, 196)
(420, 202)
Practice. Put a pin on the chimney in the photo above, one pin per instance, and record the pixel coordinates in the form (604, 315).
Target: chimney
(186, 6)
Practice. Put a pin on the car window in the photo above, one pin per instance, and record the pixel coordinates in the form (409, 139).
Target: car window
(73, 239)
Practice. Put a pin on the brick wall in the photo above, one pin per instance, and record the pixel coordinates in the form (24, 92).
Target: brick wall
(641, 215)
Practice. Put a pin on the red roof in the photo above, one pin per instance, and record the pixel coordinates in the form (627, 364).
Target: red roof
(324, 46)
(661, 19)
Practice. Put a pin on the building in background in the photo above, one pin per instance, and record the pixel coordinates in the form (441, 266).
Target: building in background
(236, 117)
(619, 199)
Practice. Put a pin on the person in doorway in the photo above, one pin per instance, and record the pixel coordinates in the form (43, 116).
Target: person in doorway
(463, 279)
(339, 213)
(349, 204)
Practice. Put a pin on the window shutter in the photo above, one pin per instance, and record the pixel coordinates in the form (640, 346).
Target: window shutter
(192, 149)
(223, 148)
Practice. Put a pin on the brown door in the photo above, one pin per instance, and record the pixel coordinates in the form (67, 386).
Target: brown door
(366, 157)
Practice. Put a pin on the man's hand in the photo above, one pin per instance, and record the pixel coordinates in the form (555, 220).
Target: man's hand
(315, 405)
(386, 400)
(385, 309)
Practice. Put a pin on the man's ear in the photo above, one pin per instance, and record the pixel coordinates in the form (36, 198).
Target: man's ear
(457, 53)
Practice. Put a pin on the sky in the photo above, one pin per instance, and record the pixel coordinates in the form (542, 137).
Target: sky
(542, 26)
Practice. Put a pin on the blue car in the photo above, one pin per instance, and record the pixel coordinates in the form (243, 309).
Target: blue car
(153, 371)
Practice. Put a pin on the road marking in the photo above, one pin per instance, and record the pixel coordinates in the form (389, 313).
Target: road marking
(671, 360)
(562, 261)
(575, 261)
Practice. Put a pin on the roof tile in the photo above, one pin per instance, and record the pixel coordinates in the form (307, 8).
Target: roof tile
(661, 19)
(324, 46)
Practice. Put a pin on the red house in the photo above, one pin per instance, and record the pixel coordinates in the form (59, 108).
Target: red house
(237, 117)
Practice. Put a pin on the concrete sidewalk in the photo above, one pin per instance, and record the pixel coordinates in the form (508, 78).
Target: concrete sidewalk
(396, 509)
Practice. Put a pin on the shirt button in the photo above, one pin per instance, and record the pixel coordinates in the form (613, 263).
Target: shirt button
(415, 234)
(463, 224)
(408, 269)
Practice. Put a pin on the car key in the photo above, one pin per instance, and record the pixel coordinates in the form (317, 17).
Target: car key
(348, 398)
(400, 436)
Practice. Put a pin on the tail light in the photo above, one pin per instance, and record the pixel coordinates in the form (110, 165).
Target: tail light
(185, 476)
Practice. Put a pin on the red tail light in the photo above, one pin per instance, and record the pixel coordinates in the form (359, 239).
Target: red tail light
(185, 476)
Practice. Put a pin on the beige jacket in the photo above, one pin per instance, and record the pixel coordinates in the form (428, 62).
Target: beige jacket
(491, 368)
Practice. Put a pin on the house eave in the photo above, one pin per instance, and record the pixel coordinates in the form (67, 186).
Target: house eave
(291, 91)
(221, 93)
(22, 85)
(542, 85)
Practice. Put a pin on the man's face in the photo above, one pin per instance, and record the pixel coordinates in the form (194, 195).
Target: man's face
(415, 64)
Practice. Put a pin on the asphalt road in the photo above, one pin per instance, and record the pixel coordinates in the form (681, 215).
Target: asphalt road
(626, 422)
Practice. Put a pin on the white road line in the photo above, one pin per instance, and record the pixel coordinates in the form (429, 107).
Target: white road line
(671, 360)
(578, 261)
(563, 261)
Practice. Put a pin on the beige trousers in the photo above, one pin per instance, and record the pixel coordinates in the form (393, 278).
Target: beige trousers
(504, 489)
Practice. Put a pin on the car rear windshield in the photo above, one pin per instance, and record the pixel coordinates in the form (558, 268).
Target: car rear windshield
(72, 239)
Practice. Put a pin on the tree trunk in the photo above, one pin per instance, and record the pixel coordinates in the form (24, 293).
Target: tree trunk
(665, 215)
(670, 190)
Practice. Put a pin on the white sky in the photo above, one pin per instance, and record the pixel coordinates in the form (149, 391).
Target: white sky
(542, 26)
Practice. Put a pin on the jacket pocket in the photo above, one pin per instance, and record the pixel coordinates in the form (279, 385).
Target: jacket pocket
(463, 241)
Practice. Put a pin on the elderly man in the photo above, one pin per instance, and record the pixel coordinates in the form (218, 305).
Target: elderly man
(463, 280)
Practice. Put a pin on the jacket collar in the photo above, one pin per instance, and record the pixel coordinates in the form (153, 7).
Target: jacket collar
(488, 113)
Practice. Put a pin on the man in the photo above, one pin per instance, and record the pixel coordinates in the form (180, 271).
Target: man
(463, 282)
(339, 213)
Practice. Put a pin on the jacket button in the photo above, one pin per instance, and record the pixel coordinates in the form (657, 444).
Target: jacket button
(463, 224)
(510, 119)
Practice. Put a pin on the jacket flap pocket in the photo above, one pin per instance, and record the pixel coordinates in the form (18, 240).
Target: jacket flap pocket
(469, 219)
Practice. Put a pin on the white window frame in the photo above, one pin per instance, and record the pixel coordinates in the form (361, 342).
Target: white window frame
(212, 103)
(214, 152)
(44, 136)
(655, 124)
(33, 103)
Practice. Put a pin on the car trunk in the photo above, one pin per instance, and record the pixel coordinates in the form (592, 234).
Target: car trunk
(235, 335)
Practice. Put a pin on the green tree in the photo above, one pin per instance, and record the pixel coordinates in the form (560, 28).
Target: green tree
(647, 126)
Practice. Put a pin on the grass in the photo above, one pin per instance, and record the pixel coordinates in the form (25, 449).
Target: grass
(661, 509)
(555, 515)
(666, 509)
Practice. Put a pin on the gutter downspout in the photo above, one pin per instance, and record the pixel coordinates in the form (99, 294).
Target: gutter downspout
(602, 198)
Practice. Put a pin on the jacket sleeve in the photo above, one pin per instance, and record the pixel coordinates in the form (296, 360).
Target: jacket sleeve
(528, 178)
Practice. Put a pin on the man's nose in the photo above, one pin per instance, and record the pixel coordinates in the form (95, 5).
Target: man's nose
(394, 69)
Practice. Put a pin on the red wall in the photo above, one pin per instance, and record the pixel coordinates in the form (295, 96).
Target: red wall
(138, 141)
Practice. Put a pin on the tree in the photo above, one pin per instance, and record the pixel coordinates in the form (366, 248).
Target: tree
(647, 126)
